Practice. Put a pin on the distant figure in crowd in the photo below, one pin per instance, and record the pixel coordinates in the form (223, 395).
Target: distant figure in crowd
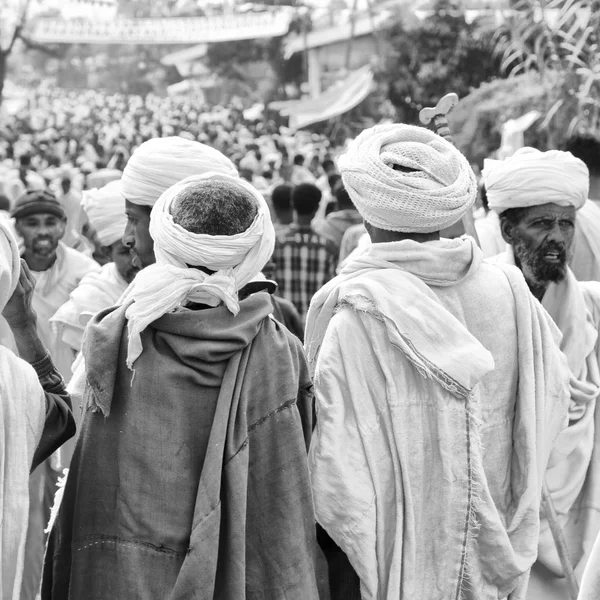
(57, 270)
(434, 424)
(336, 223)
(300, 173)
(537, 195)
(304, 260)
(190, 478)
(281, 201)
(35, 412)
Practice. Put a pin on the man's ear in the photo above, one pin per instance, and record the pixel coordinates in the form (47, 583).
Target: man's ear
(507, 229)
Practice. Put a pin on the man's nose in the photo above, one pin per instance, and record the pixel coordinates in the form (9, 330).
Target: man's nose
(557, 235)
(128, 237)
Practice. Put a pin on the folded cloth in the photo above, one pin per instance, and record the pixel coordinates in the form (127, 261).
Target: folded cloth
(161, 162)
(235, 260)
(407, 178)
(105, 208)
(530, 178)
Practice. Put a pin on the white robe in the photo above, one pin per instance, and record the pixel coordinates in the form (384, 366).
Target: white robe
(439, 391)
(573, 473)
(52, 290)
(22, 414)
(95, 292)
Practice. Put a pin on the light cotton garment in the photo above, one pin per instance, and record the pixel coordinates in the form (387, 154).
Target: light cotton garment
(573, 473)
(52, 290)
(530, 178)
(432, 440)
(105, 209)
(235, 259)
(22, 412)
(96, 291)
(431, 187)
(161, 162)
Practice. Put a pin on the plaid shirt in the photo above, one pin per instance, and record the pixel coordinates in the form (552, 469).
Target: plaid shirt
(304, 263)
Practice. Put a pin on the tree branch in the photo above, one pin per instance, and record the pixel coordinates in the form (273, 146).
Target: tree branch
(31, 45)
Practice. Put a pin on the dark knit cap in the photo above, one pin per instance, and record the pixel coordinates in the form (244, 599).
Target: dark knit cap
(37, 202)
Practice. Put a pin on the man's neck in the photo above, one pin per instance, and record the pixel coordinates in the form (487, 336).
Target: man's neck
(537, 289)
(39, 263)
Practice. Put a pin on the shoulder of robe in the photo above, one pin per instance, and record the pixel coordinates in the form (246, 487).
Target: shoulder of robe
(591, 294)
(16, 373)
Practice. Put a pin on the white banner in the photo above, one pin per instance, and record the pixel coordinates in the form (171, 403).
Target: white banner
(175, 30)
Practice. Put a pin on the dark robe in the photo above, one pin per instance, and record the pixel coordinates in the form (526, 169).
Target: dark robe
(190, 480)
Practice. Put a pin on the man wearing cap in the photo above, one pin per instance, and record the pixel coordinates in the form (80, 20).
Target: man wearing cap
(57, 270)
(40, 221)
(439, 390)
(190, 477)
(537, 195)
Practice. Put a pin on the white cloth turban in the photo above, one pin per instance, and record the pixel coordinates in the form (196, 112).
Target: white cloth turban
(162, 162)
(164, 286)
(530, 178)
(435, 195)
(10, 263)
(105, 208)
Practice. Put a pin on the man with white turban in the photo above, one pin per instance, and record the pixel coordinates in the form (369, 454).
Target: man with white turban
(434, 424)
(35, 412)
(97, 291)
(190, 475)
(153, 168)
(537, 195)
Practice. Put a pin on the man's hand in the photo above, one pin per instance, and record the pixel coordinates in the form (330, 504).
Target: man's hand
(18, 311)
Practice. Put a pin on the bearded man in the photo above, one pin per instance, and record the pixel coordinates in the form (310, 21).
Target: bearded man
(57, 269)
(434, 424)
(189, 479)
(537, 195)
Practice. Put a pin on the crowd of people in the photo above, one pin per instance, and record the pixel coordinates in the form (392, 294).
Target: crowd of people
(254, 365)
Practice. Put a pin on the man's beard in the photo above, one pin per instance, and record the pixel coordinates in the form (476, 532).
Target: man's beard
(534, 264)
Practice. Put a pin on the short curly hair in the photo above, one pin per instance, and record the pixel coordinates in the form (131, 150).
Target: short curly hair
(214, 208)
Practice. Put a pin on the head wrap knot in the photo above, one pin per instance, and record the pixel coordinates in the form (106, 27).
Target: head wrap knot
(166, 285)
(531, 178)
(431, 187)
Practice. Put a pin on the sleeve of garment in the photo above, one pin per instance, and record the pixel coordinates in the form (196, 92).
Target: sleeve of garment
(59, 425)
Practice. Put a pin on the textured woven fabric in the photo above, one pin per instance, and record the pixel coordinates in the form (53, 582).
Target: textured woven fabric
(162, 162)
(531, 178)
(105, 208)
(164, 286)
(439, 188)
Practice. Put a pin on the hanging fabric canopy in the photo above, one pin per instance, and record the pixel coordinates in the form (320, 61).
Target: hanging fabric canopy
(337, 100)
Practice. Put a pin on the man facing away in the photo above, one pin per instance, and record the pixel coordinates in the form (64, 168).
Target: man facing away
(190, 476)
(439, 389)
(304, 260)
(537, 195)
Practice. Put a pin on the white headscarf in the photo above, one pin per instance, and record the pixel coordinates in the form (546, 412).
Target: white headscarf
(105, 208)
(10, 263)
(164, 286)
(435, 195)
(531, 178)
(161, 162)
